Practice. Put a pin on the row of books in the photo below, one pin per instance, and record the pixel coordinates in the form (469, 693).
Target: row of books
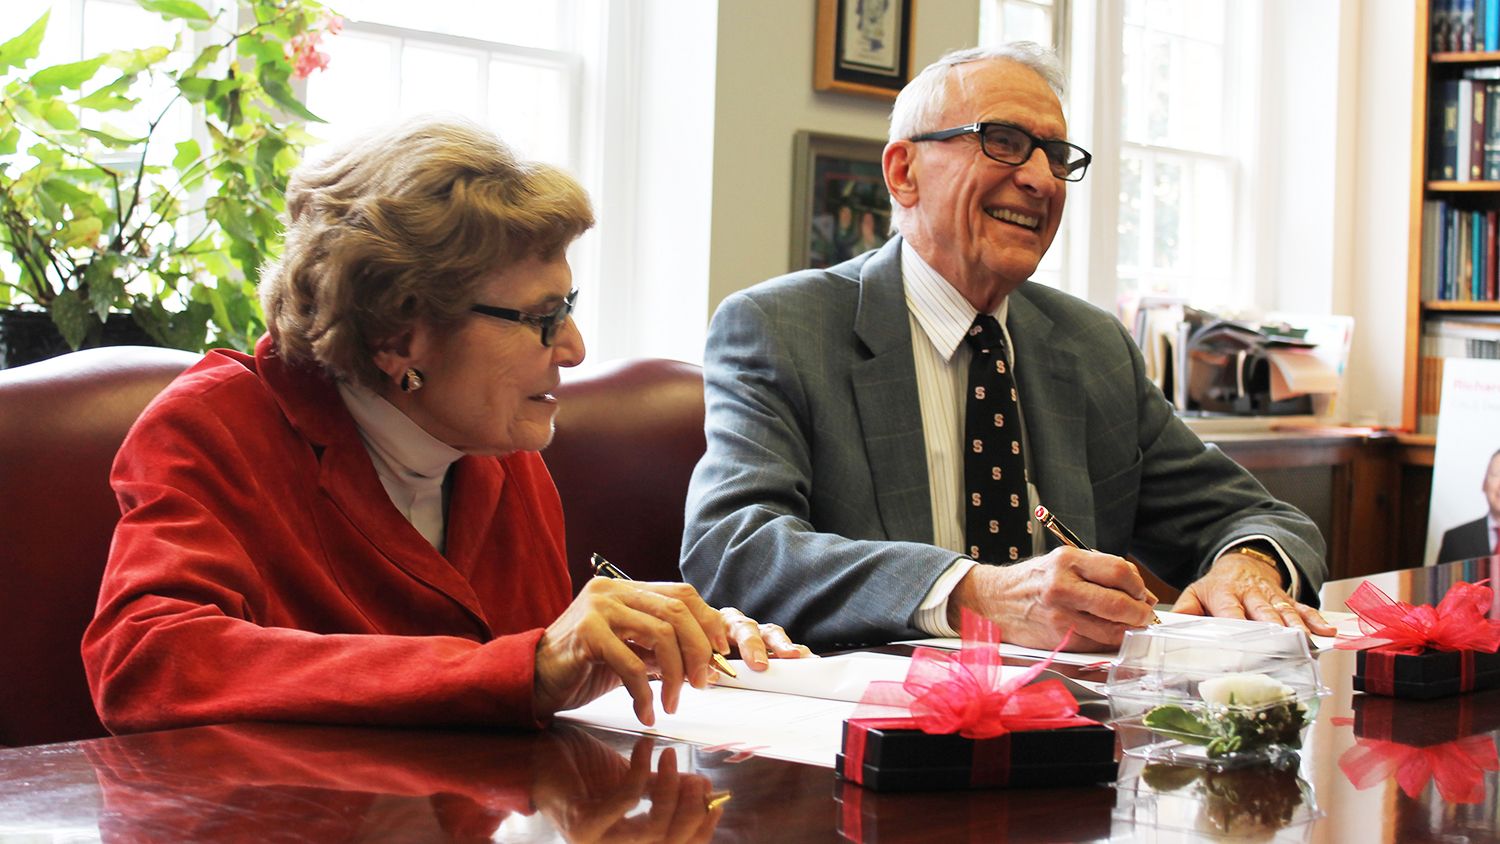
(1470, 336)
(1465, 25)
(1459, 257)
(1466, 126)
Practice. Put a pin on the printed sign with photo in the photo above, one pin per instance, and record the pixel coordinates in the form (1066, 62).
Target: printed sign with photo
(1466, 463)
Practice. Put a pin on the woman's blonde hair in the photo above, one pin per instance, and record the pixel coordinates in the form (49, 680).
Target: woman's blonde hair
(400, 226)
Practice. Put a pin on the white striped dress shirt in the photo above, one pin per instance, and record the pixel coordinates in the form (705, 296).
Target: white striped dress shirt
(940, 317)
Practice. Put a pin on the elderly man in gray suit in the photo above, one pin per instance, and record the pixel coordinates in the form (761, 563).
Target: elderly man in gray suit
(861, 483)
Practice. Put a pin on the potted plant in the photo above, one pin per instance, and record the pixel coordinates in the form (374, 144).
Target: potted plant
(102, 224)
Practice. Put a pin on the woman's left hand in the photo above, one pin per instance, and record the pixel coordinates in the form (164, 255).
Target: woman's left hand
(756, 642)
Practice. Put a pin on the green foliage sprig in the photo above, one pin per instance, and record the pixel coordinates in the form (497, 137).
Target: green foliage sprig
(96, 226)
(1226, 729)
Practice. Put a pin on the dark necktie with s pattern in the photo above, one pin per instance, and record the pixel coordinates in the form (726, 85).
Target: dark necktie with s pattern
(997, 524)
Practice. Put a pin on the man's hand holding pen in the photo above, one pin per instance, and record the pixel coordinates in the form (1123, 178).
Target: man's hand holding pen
(1099, 596)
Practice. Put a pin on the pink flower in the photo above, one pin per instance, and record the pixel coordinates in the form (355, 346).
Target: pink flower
(303, 49)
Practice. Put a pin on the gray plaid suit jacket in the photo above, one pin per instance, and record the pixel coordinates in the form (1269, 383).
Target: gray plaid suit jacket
(810, 507)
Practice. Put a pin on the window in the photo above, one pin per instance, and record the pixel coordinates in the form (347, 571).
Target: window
(511, 67)
(1044, 22)
(1158, 94)
(1177, 169)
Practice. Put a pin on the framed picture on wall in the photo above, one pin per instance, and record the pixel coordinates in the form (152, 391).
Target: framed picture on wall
(864, 46)
(840, 207)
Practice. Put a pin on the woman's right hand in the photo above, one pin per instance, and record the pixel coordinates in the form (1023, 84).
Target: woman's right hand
(622, 632)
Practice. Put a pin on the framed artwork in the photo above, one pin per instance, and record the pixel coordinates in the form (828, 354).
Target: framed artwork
(840, 207)
(864, 47)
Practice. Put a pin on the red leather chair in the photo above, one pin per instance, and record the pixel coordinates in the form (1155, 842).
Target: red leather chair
(628, 437)
(61, 422)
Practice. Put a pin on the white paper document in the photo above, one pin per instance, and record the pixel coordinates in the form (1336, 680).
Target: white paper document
(784, 712)
(1346, 623)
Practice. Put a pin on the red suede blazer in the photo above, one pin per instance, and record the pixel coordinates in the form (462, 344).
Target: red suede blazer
(260, 571)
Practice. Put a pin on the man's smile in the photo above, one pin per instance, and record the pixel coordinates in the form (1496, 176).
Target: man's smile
(1006, 215)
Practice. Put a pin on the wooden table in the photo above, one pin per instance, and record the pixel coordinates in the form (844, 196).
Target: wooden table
(273, 782)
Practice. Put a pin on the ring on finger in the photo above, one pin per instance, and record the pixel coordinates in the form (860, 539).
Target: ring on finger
(1282, 606)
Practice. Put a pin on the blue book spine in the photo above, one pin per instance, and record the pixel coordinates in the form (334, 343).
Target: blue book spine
(1477, 278)
(1492, 25)
(1444, 237)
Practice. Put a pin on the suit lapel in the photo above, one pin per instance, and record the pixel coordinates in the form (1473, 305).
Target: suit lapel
(885, 394)
(1048, 380)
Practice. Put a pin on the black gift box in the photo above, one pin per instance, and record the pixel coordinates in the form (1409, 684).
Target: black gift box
(1426, 675)
(885, 758)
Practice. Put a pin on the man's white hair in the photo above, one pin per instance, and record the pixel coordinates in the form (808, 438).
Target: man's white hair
(925, 98)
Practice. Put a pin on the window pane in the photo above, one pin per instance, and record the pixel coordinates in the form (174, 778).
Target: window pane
(1167, 235)
(1172, 84)
(439, 79)
(1130, 211)
(529, 108)
(1027, 22)
(354, 92)
(530, 23)
(1016, 20)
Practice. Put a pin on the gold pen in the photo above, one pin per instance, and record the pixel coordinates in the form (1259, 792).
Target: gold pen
(1067, 537)
(604, 568)
(718, 799)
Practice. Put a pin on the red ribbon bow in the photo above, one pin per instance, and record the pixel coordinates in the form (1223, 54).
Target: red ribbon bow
(1458, 767)
(963, 693)
(1459, 623)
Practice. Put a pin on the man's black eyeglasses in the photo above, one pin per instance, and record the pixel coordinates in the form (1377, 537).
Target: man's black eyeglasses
(1009, 144)
(548, 323)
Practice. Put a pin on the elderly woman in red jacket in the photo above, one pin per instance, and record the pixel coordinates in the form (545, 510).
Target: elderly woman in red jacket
(353, 524)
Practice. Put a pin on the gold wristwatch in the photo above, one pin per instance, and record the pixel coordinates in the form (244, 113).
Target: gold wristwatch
(1251, 550)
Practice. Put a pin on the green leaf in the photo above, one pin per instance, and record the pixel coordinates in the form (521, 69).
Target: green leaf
(187, 153)
(281, 92)
(110, 97)
(24, 47)
(106, 289)
(82, 233)
(132, 62)
(177, 10)
(72, 316)
(50, 80)
(59, 115)
(195, 88)
(1179, 724)
(9, 140)
(204, 59)
(112, 141)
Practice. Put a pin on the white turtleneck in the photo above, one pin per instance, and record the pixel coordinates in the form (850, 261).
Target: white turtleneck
(411, 463)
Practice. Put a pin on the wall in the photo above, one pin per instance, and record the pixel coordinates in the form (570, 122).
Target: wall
(764, 95)
(1376, 206)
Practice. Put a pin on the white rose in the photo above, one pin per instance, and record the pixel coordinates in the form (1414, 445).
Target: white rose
(1244, 690)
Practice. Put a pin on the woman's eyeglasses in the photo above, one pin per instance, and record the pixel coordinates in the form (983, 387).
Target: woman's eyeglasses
(547, 323)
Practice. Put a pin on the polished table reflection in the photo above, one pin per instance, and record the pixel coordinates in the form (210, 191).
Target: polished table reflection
(1372, 769)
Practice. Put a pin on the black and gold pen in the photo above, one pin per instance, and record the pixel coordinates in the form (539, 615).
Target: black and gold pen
(604, 568)
(1067, 537)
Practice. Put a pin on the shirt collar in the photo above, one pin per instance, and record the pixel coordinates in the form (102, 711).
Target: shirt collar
(943, 313)
(417, 457)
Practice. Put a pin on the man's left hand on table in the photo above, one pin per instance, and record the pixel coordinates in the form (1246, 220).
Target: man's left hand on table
(1241, 586)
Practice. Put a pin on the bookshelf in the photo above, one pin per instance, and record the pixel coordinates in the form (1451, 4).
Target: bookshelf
(1444, 320)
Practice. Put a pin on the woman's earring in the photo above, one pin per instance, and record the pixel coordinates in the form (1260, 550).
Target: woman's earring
(411, 380)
